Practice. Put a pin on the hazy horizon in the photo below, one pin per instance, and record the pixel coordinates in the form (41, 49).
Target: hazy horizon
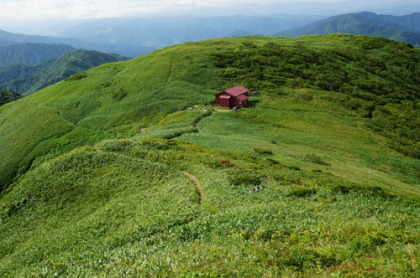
(49, 17)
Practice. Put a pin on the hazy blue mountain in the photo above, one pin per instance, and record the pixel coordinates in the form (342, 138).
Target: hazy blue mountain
(29, 79)
(7, 38)
(403, 28)
(6, 42)
(323, 8)
(157, 32)
(31, 53)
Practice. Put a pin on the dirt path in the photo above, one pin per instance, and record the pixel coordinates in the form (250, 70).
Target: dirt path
(197, 184)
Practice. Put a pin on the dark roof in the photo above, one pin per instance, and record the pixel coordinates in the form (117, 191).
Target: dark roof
(236, 91)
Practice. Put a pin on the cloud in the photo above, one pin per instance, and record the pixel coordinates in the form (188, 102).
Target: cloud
(24, 10)
(38, 9)
(72, 9)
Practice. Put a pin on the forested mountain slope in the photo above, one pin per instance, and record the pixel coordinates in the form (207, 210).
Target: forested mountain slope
(8, 38)
(29, 79)
(31, 53)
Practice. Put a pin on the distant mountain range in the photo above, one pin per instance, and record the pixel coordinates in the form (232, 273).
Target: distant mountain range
(31, 53)
(7, 39)
(26, 79)
(133, 37)
(137, 36)
(402, 28)
(158, 32)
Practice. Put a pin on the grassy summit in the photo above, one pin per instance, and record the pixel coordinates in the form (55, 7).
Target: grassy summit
(320, 177)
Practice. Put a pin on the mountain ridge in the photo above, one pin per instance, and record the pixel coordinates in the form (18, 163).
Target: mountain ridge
(29, 79)
(315, 178)
(31, 53)
(8, 38)
(366, 23)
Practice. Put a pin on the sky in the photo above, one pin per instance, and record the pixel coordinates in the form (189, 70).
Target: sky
(81, 9)
(15, 13)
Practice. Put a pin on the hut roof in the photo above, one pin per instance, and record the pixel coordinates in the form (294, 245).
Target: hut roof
(242, 97)
(236, 91)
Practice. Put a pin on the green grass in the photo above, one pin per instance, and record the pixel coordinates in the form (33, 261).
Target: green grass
(148, 222)
(299, 185)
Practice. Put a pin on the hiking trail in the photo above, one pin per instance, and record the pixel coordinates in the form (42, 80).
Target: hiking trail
(197, 184)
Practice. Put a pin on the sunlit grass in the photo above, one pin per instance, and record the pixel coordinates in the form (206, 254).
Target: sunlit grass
(300, 184)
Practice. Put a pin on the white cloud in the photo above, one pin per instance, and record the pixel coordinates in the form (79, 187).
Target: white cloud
(23, 10)
(41, 9)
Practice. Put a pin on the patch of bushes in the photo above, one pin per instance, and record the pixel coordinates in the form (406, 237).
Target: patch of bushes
(302, 192)
(8, 96)
(245, 178)
(373, 83)
(374, 191)
(263, 151)
(341, 189)
(77, 76)
(316, 159)
(272, 161)
(226, 163)
(119, 94)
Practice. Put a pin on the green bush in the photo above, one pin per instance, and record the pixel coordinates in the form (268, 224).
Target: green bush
(316, 159)
(77, 76)
(263, 151)
(119, 94)
(245, 178)
(302, 192)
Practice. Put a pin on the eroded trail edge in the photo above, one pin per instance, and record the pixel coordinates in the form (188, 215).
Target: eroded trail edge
(197, 184)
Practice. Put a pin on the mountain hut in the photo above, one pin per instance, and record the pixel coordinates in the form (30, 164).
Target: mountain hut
(233, 97)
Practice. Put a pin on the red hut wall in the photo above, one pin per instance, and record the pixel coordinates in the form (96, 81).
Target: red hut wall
(223, 100)
(240, 101)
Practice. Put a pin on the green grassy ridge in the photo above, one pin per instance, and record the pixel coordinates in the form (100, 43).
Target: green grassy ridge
(29, 79)
(148, 222)
(118, 99)
(112, 100)
(336, 199)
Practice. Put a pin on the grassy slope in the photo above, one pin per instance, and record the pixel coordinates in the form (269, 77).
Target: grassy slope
(336, 200)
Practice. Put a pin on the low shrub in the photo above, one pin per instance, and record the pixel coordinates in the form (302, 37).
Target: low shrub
(77, 76)
(302, 192)
(316, 159)
(263, 151)
(119, 95)
(245, 178)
